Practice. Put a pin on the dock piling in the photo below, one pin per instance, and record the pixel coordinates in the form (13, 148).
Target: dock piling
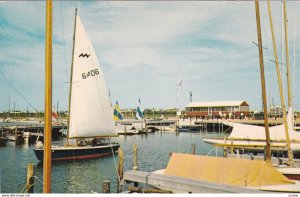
(135, 164)
(225, 152)
(193, 149)
(120, 169)
(135, 149)
(106, 186)
(30, 179)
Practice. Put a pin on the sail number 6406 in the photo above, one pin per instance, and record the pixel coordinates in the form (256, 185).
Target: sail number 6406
(90, 73)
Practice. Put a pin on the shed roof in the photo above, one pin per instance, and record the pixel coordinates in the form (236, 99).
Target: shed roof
(216, 104)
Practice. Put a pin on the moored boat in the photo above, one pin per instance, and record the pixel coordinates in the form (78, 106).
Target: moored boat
(90, 111)
(3, 141)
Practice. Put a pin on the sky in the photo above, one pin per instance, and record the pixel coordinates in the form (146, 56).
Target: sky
(145, 49)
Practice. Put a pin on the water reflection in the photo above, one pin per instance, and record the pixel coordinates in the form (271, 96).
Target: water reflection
(85, 176)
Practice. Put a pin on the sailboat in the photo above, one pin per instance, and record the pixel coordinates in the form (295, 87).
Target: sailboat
(90, 110)
(251, 137)
(283, 137)
(247, 174)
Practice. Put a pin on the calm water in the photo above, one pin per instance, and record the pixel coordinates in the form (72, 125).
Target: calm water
(87, 176)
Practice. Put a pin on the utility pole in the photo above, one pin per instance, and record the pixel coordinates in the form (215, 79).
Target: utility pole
(191, 95)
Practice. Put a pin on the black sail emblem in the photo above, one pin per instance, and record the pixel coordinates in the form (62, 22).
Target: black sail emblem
(84, 55)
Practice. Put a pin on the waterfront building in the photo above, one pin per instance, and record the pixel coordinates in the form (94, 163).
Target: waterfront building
(217, 109)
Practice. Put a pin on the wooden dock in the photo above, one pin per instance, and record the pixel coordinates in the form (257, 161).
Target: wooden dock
(181, 185)
(272, 122)
(32, 130)
(145, 126)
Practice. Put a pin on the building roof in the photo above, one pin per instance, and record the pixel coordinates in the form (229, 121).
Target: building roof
(216, 104)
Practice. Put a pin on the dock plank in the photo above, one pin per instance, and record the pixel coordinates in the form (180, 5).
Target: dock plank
(182, 185)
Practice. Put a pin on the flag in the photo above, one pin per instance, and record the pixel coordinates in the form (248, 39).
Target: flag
(54, 116)
(139, 114)
(117, 112)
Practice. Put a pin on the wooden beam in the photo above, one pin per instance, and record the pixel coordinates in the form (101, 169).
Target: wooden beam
(147, 190)
(182, 185)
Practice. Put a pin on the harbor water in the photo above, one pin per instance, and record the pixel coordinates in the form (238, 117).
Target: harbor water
(86, 176)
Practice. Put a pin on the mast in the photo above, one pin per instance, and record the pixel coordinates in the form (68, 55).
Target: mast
(290, 155)
(263, 89)
(48, 100)
(71, 78)
(57, 108)
(282, 41)
(287, 57)
(294, 74)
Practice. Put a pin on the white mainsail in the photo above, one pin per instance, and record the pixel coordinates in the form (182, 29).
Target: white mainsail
(90, 107)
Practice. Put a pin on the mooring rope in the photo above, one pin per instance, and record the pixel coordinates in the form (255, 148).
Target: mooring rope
(37, 178)
(119, 179)
(23, 188)
(210, 151)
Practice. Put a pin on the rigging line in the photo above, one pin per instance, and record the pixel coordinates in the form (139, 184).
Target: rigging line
(76, 4)
(9, 83)
(19, 34)
(63, 31)
(37, 178)
(16, 56)
(112, 150)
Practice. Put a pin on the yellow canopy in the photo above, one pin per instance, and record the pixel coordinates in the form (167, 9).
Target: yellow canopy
(231, 171)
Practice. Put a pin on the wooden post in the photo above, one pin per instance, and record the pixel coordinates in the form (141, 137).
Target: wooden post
(265, 153)
(30, 178)
(193, 149)
(231, 148)
(120, 169)
(106, 186)
(146, 127)
(142, 126)
(135, 165)
(225, 152)
(222, 128)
